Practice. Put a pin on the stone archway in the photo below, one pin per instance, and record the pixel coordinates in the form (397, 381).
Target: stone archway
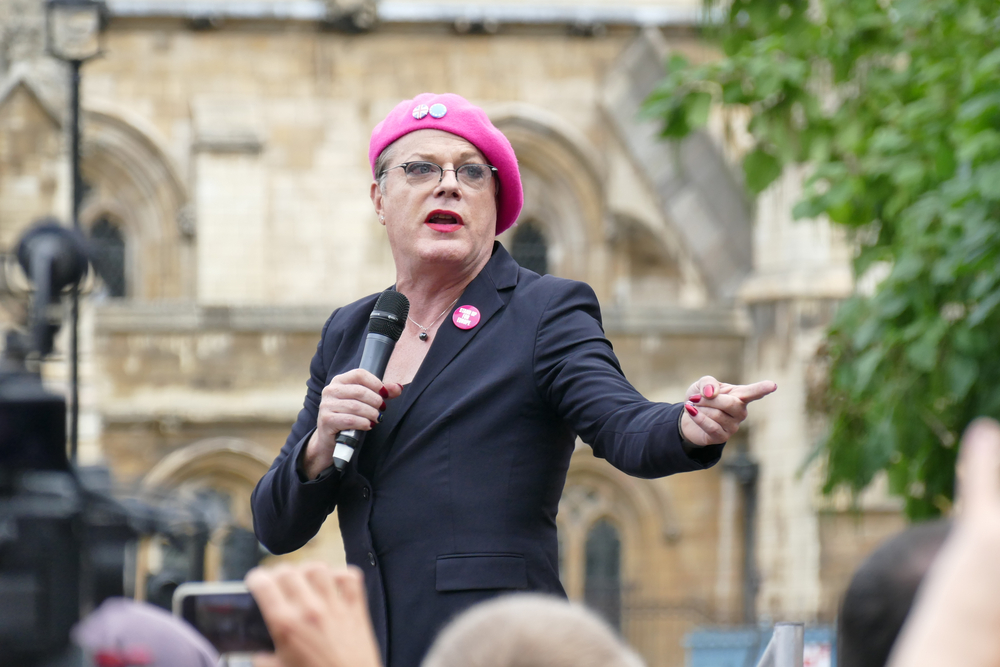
(31, 160)
(133, 180)
(231, 465)
(656, 568)
(697, 191)
(563, 187)
(640, 509)
(212, 478)
(646, 268)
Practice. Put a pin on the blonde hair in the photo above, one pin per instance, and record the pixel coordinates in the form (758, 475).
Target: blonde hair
(529, 630)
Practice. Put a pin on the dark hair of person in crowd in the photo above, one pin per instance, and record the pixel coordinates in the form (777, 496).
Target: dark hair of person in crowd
(529, 630)
(881, 594)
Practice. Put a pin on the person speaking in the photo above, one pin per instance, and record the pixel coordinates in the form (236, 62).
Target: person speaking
(452, 497)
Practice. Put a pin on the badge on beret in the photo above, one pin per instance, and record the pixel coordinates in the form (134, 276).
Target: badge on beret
(420, 111)
(438, 110)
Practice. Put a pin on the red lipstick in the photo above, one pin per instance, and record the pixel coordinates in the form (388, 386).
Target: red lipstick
(444, 221)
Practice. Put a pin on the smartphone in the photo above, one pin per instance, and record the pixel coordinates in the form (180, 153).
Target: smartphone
(225, 614)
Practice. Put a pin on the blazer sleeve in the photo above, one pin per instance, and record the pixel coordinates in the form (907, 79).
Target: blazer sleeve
(578, 374)
(288, 510)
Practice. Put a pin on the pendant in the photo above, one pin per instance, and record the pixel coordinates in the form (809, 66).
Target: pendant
(422, 336)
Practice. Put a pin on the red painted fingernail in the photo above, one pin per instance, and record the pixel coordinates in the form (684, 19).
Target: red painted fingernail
(372, 423)
(709, 391)
(691, 409)
(695, 398)
(383, 392)
(382, 409)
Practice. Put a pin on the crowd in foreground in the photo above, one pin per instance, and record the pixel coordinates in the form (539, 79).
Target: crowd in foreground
(928, 597)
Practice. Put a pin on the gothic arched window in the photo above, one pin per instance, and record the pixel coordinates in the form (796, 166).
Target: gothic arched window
(602, 590)
(529, 248)
(107, 255)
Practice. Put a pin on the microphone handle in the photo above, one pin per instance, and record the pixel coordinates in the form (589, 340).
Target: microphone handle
(374, 359)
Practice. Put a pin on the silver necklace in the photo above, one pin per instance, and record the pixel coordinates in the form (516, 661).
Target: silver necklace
(423, 335)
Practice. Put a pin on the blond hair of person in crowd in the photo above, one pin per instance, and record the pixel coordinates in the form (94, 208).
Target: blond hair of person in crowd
(528, 630)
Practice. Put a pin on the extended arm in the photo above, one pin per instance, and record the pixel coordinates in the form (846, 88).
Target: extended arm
(579, 374)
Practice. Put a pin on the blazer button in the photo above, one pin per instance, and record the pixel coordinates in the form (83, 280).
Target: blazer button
(371, 559)
(365, 493)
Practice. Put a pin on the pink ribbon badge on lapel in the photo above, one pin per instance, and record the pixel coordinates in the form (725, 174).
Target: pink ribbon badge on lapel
(465, 317)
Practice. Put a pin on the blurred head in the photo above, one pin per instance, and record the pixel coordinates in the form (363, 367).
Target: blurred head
(446, 180)
(122, 631)
(881, 593)
(526, 630)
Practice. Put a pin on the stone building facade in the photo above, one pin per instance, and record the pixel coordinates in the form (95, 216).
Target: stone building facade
(225, 154)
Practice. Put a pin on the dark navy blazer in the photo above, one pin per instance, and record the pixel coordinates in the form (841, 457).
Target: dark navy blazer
(461, 504)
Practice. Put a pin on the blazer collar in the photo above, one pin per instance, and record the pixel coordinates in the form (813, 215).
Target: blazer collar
(488, 293)
(501, 269)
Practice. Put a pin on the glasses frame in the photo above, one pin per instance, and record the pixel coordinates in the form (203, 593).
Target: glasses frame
(493, 170)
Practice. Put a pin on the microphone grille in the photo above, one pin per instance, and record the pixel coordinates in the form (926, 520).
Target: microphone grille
(389, 316)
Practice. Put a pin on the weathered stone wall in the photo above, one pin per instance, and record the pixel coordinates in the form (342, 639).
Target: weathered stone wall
(29, 162)
(273, 123)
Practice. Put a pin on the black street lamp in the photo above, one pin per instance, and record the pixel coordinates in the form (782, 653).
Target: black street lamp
(73, 34)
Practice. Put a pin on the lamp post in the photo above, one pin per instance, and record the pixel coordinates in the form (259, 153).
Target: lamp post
(73, 34)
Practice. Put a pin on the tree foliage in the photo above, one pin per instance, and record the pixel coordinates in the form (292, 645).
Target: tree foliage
(895, 105)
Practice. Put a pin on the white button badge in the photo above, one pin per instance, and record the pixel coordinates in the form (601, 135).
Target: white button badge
(438, 110)
(420, 111)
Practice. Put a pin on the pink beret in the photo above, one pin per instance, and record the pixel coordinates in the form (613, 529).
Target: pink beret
(457, 115)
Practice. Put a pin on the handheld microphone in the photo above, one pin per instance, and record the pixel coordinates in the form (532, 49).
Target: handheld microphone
(385, 326)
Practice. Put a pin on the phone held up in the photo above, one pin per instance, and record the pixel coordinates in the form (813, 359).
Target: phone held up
(225, 613)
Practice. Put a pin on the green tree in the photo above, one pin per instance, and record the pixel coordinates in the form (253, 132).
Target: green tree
(895, 105)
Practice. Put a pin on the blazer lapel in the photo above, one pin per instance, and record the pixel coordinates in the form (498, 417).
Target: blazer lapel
(484, 292)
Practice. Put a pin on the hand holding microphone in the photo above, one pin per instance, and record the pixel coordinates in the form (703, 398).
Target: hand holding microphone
(352, 402)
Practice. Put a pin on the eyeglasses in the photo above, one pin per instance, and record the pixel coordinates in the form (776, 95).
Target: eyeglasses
(472, 176)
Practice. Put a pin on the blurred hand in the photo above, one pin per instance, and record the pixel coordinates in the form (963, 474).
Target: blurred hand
(957, 613)
(353, 400)
(979, 481)
(714, 410)
(317, 616)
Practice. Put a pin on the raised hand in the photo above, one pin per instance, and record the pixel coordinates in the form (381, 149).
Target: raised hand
(957, 613)
(317, 616)
(714, 410)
